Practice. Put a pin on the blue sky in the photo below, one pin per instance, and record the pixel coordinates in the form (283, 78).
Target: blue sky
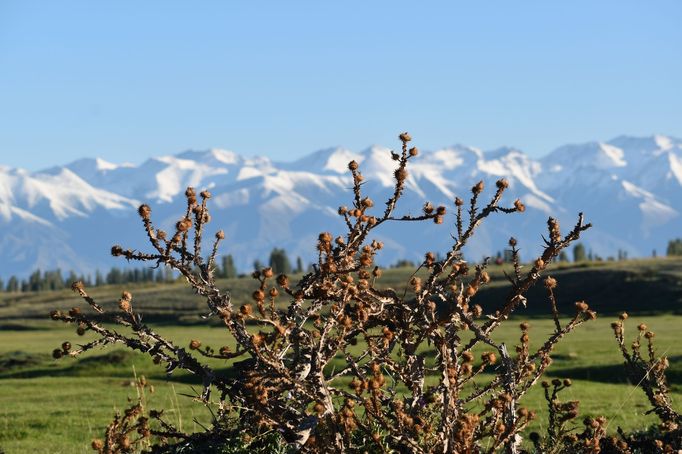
(129, 80)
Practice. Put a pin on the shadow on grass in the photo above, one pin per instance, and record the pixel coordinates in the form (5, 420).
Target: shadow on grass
(613, 373)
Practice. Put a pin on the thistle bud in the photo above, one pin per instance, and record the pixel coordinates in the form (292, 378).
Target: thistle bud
(478, 188)
(414, 151)
(144, 211)
(258, 295)
(367, 202)
(183, 225)
(519, 206)
(220, 235)
(194, 344)
(581, 306)
(353, 165)
(502, 184)
(405, 137)
(550, 282)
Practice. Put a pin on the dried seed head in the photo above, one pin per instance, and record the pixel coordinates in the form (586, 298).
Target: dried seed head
(623, 316)
(66, 346)
(116, 250)
(57, 353)
(367, 202)
(581, 306)
(550, 282)
(512, 242)
(478, 188)
(401, 174)
(97, 444)
(124, 305)
(405, 137)
(642, 327)
(524, 326)
(520, 207)
(246, 309)
(183, 225)
(194, 344)
(220, 235)
(353, 165)
(205, 194)
(144, 211)
(502, 183)
(567, 382)
(459, 202)
(489, 357)
(126, 295)
(539, 263)
(258, 295)
(428, 208)
(283, 280)
(414, 151)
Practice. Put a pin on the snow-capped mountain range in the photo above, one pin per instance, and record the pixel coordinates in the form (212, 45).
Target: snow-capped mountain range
(68, 217)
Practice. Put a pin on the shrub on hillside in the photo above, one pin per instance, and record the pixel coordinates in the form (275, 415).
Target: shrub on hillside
(336, 363)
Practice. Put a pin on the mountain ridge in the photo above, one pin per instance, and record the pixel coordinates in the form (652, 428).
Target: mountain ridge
(629, 187)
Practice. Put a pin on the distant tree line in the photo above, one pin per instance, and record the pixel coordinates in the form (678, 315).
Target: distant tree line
(40, 281)
(279, 262)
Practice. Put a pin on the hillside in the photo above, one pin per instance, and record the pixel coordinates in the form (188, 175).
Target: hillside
(636, 286)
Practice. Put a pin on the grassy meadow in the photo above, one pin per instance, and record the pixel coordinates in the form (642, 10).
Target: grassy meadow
(50, 406)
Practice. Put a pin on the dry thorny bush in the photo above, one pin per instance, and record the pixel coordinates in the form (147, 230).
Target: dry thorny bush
(283, 386)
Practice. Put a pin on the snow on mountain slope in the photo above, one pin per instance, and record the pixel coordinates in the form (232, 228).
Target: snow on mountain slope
(629, 187)
(58, 194)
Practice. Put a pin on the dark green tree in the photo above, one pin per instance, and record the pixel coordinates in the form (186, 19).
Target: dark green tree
(228, 270)
(13, 284)
(279, 261)
(674, 247)
(579, 253)
(299, 265)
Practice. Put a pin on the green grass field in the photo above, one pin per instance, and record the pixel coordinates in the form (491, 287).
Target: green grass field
(49, 406)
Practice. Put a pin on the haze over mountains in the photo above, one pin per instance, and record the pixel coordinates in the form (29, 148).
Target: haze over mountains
(68, 217)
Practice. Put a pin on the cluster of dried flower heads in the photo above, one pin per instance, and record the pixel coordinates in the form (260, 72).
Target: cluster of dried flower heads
(410, 380)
